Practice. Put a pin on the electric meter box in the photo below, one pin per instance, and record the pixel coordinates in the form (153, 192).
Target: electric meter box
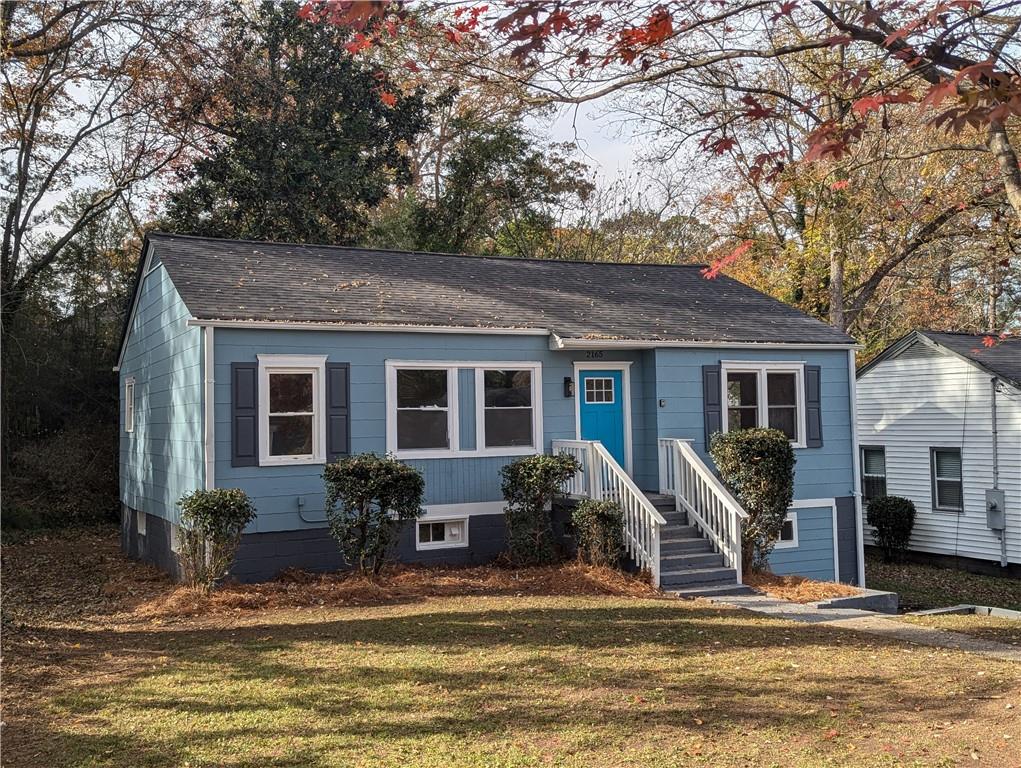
(996, 513)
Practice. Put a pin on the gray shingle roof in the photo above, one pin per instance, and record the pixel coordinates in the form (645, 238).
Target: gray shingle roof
(1002, 359)
(244, 280)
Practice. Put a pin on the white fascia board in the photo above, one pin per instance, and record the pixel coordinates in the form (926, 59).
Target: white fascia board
(352, 327)
(558, 343)
(146, 271)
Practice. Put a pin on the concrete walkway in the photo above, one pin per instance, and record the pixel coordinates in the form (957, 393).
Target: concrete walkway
(872, 623)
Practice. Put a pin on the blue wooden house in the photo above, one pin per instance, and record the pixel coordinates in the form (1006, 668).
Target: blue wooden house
(251, 365)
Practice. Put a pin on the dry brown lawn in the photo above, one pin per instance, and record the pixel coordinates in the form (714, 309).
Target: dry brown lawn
(107, 664)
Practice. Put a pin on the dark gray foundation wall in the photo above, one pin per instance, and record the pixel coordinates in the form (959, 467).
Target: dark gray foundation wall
(262, 556)
(847, 540)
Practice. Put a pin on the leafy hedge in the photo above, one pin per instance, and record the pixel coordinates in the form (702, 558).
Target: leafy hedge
(212, 523)
(529, 485)
(757, 465)
(599, 531)
(892, 519)
(368, 498)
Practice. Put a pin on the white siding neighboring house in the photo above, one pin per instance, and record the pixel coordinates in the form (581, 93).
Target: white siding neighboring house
(922, 403)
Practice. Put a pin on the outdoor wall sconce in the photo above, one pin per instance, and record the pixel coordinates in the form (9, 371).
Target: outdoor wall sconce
(568, 386)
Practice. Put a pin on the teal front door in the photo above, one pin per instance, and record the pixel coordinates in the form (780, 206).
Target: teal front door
(601, 410)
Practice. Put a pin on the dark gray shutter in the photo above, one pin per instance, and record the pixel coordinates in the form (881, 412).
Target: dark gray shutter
(711, 401)
(338, 422)
(813, 407)
(244, 414)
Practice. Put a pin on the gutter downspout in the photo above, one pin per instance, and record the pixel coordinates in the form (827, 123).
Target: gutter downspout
(208, 410)
(856, 465)
(993, 382)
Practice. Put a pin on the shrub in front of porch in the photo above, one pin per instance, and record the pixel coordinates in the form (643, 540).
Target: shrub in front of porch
(368, 498)
(599, 532)
(528, 486)
(757, 465)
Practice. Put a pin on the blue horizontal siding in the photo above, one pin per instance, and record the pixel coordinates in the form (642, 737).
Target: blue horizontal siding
(458, 480)
(813, 557)
(820, 473)
(163, 458)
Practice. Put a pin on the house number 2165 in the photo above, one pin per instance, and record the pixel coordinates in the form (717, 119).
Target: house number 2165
(594, 354)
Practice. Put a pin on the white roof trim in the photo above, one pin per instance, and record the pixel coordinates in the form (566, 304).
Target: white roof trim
(282, 325)
(147, 269)
(559, 343)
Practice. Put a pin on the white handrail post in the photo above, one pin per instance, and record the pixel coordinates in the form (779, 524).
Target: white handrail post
(590, 469)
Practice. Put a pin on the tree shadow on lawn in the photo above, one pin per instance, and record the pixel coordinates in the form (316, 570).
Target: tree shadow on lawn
(470, 674)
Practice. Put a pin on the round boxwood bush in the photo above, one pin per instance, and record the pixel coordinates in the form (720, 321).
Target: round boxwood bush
(212, 522)
(529, 485)
(757, 465)
(368, 498)
(599, 532)
(892, 518)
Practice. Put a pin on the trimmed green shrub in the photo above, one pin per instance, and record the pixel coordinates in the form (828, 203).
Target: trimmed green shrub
(599, 531)
(212, 523)
(529, 485)
(757, 465)
(892, 518)
(368, 498)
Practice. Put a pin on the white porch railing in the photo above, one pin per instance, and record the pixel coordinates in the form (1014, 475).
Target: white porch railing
(710, 506)
(603, 478)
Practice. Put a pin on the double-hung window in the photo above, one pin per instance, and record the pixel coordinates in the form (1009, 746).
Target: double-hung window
(873, 472)
(947, 485)
(424, 397)
(442, 409)
(508, 413)
(765, 395)
(291, 429)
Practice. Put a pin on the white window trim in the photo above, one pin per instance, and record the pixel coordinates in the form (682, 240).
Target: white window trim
(761, 369)
(792, 515)
(428, 520)
(453, 423)
(480, 410)
(314, 364)
(934, 478)
(129, 404)
(452, 367)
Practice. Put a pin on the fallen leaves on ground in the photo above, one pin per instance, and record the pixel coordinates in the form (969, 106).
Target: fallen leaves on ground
(797, 589)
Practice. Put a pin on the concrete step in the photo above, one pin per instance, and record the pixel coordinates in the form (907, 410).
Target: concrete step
(684, 546)
(660, 499)
(691, 577)
(712, 590)
(675, 518)
(674, 562)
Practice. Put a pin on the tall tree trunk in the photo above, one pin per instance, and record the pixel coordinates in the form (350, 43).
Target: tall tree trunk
(1007, 161)
(837, 315)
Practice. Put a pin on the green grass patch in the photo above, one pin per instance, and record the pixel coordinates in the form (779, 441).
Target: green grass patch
(504, 681)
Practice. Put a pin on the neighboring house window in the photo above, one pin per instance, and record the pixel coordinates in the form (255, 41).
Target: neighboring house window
(291, 422)
(598, 390)
(442, 534)
(423, 408)
(947, 488)
(789, 532)
(508, 418)
(873, 472)
(765, 395)
(129, 405)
